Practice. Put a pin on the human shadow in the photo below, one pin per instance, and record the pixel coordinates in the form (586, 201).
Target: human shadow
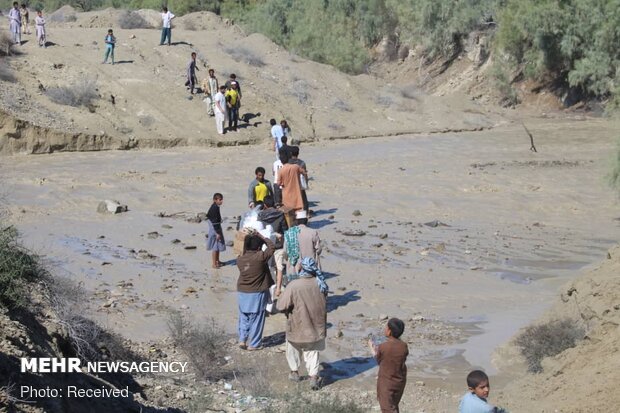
(346, 368)
(247, 125)
(274, 339)
(320, 223)
(122, 62)
(324, 211)
(336, 301)
(248, 116)
(180, 43)
(49, 44)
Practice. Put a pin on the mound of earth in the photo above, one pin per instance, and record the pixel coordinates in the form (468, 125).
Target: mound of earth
(142, 101)
(584, 378)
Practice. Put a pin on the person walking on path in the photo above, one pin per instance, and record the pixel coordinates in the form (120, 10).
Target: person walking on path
(166, 30)
(210, 89)
(289, 181)
(215, 238)
(220, 109)
(15, 24)
(305, 304)
(233, 103)
(301, 242)
(276, 134)
(253, 290)
(294, 152)
(110, 42)
(270, 215)
(191, 73)
(277, 165)
(25, 13)
(39, 22)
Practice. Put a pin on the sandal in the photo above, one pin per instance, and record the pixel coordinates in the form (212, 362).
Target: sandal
(243, 346)
(255, 348)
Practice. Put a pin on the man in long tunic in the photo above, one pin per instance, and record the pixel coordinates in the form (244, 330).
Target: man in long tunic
(210, 89)
(15, 24)
(288, 179)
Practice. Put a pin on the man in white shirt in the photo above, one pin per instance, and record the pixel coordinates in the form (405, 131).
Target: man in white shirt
(277, 165)
(166, 30)
(276, 133)
(220, 109)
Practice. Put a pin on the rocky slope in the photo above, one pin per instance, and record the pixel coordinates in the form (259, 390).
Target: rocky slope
(584, 378)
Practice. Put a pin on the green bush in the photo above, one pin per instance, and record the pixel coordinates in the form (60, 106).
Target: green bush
(547, 340)
(18, 268)
(574, 41)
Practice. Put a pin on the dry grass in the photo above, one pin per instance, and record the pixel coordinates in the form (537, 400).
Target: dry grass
(547, 340)
(81, 93)
(18, 268)
(87, 339)
(203, 345)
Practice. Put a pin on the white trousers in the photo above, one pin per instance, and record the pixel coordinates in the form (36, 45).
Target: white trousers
(220, 118)
(310, 353)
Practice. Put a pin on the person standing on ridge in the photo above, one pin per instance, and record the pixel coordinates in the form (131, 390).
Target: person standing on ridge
(166, 30)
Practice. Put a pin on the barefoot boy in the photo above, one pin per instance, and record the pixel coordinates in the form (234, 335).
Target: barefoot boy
(391, 357)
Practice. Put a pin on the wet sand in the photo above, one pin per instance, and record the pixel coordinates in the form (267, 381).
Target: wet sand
(518, 225)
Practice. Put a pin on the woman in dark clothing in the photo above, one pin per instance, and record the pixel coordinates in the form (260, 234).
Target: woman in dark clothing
(253, 290)
(215, 239)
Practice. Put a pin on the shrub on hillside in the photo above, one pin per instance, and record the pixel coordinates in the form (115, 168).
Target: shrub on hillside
(574, 41)
(547, 340)
(87, 339)
(245, 55)
(18, 268)
(132, 20)
(6, 74)
(81, 93)
(6, 44)
(203, 345)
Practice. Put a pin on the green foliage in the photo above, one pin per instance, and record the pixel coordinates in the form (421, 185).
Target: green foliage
(573, 40)
(18, 268)
(440, 25)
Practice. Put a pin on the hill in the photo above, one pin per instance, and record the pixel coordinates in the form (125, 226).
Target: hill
(141, 101)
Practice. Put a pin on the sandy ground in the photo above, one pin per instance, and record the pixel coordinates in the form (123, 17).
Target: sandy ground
(518, 225)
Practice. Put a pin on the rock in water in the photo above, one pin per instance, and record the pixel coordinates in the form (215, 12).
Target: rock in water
(112, 207)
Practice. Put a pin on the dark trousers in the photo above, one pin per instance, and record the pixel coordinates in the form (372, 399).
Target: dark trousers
(166, 32)
(277, 194)
(233, 118)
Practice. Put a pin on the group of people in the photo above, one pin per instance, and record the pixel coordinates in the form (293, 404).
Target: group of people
(300, 290)
(19, 23)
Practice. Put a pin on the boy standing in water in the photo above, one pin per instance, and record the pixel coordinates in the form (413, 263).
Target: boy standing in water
(215, 239)
(110, 41)
(391, 357)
